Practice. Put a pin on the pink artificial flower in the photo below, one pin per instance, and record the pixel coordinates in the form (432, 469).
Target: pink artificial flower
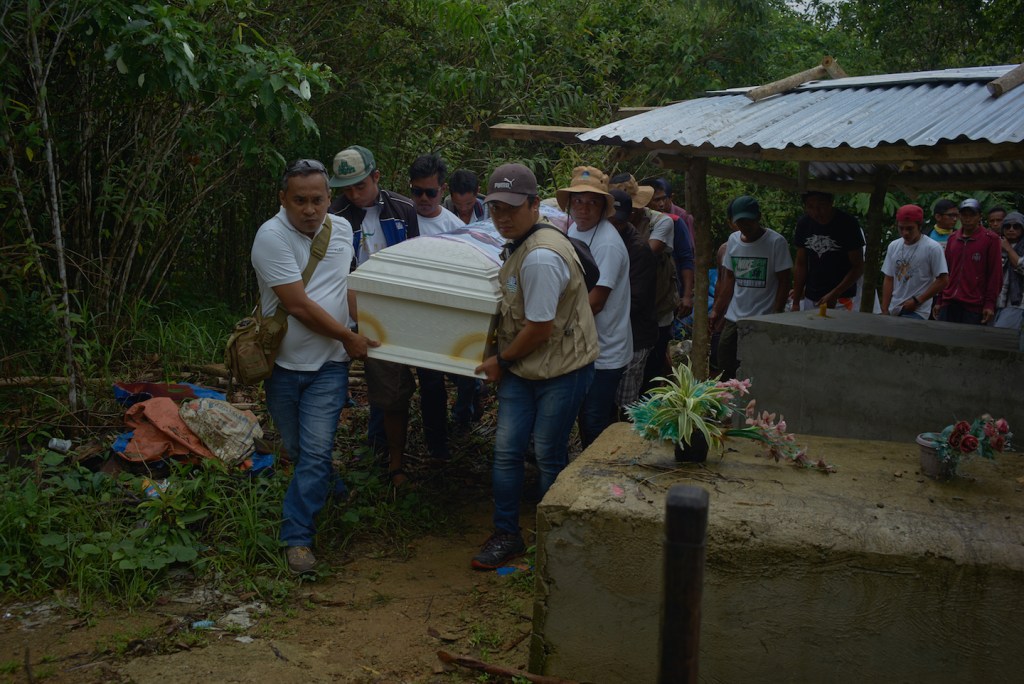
(1002, 426)
(990, 430)
(751, 410)
(781, 427)
(968, 444)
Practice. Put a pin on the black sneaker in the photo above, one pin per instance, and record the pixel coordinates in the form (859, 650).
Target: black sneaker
(498, 550)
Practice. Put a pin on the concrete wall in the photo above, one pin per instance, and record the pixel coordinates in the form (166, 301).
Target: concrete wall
(875, 377)
(874, 573)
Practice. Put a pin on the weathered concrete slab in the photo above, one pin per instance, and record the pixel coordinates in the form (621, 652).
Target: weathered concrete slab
(876, 377)
(874, 573)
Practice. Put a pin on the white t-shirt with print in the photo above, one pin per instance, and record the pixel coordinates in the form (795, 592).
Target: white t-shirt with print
(755, 266)
(614, 334)
(373, 239)
(445, 222)
(279, 255)
(913, 268)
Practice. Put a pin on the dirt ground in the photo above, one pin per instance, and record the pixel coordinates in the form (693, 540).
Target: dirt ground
(374, 618)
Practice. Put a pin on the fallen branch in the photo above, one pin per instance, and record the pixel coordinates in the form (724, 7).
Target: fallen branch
(474, 664)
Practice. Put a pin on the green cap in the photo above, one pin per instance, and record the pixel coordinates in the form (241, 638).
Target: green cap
(352, 165)
(745, 207)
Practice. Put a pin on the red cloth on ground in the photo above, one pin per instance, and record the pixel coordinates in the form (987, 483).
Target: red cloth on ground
(160, 432)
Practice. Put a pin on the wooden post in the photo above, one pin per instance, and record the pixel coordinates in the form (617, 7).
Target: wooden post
(873, 254)
(1008, 81)
(704, 256)
(686, 524)
(828, 68)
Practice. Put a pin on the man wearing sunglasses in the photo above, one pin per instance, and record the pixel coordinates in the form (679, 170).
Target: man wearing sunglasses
(307, 389)
(427, 177)
(379, 219)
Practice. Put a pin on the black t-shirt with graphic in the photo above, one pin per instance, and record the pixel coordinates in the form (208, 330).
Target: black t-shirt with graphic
(827, 247)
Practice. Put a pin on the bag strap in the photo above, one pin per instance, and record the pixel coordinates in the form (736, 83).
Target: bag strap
(317, 251)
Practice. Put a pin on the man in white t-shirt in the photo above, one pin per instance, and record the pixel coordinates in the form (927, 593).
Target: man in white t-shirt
(307, 389)
(427, 177)
(589, 204)
(914, 268)
(756, 274)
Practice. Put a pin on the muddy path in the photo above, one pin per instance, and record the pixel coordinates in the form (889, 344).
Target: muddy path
(375, 616)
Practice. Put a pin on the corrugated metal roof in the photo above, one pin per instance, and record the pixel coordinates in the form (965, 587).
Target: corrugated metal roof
(917, 109)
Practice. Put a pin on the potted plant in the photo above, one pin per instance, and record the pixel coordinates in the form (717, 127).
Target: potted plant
(942, 452)
(697, 416)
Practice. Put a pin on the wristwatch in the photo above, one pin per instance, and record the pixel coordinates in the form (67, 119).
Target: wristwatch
(503, 364)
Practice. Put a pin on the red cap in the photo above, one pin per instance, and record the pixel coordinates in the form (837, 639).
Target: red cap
(910, 212)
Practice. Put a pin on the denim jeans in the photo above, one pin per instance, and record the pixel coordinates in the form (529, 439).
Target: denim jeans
(305, 406)
(599, 408)
(545, 409)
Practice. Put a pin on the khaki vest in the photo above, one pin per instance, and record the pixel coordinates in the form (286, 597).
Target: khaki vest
(573, 341)
(666, 288)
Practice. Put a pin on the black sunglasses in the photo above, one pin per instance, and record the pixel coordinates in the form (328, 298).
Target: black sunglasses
(429, 192)
(1015, 226)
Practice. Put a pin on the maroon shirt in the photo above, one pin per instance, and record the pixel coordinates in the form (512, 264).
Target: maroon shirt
(975, 270)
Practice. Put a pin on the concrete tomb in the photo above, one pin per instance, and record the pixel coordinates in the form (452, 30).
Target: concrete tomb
(874, 573)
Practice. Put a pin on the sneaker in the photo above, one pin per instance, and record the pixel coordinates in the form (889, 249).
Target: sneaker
(300, 559)
(498, 550)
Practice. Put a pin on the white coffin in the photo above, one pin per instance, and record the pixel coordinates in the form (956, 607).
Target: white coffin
(431, 301)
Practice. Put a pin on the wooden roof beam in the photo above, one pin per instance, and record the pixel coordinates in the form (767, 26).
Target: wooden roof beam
(768, 178)
(562, 134)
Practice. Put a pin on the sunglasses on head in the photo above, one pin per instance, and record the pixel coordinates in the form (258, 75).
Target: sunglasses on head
(1015, 226)
(429, 192)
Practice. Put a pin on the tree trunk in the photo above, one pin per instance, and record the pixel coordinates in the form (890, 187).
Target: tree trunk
(872, 255)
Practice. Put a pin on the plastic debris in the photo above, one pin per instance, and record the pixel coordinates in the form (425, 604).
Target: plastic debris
(61, 446)
(203, 624)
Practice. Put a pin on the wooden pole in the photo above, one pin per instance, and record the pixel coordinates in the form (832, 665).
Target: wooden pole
(686, 524)
(873, 254)
(1008, 81)
(828, 68)
(704, 253)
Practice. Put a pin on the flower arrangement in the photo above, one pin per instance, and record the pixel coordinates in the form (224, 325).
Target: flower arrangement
(983, 437)
(681, 404)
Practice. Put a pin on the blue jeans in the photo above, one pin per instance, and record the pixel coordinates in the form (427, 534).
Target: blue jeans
(912, 314)
(599, 408)
(305, 406)
(545, 409)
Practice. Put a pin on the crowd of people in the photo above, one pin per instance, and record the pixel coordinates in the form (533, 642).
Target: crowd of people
(568, 352)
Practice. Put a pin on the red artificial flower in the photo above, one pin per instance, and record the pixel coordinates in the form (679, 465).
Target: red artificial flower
(963, 427)
(968, 444)
(990, 429)
(998, 442)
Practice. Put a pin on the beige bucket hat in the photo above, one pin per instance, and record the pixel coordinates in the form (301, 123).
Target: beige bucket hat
(641, 194)
(587, 179)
